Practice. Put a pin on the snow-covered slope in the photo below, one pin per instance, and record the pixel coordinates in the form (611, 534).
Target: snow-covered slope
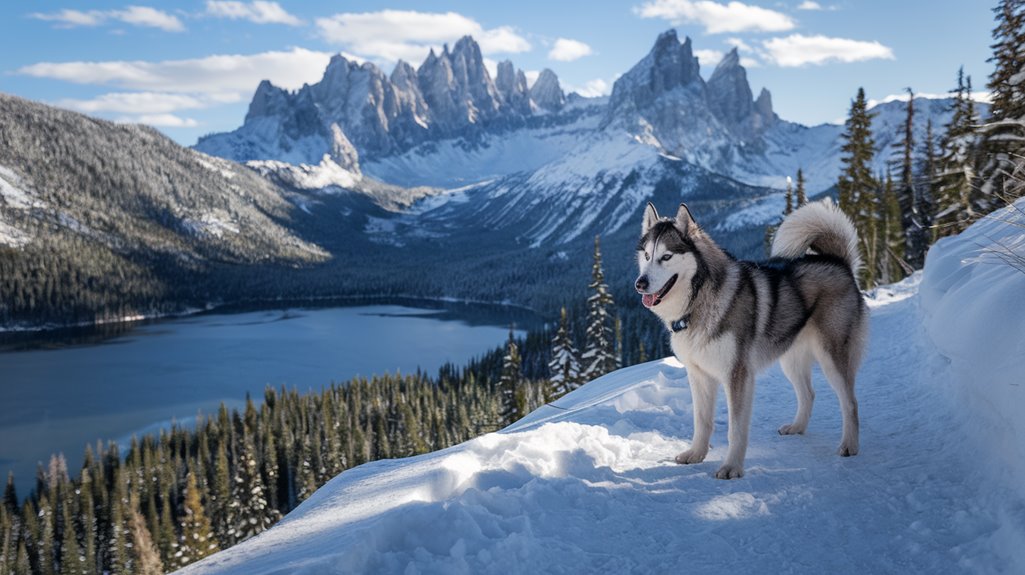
(587, 485)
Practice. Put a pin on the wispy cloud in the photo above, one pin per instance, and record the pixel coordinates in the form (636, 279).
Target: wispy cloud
(218, 74)
(708, 57)
(800, 50)
(143, 16)
(715, 17)
(566, 50)
(809, 5)
(159, 121)
(258, 12)
(591, 89)
(392, 35)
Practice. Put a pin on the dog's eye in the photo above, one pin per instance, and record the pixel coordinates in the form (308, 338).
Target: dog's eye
(666, 257)
(647, 256)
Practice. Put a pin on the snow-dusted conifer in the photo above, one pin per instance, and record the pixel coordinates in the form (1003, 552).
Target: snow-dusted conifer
(955, 177)
(564, 365)
(513, 397)
(1003, 134)
(599, 355)
(197, 535)
(857, 184)
(249, 497)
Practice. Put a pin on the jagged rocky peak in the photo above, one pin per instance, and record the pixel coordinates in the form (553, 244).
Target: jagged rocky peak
(547, 93)
(512, 86)
(763, 106)
(729, 93)
(668, 66)
(342, 151)
(268, 100)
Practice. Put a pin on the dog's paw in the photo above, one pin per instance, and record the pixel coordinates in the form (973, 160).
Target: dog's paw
(847, 450)
(691, 456)
(792, 429)
(728, 471)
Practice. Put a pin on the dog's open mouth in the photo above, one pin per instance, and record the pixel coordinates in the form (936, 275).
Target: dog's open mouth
(653, 299)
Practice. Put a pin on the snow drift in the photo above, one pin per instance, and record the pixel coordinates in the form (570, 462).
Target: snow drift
(588, 484)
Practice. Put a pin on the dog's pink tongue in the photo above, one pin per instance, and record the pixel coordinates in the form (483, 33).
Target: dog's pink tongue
(648, 299)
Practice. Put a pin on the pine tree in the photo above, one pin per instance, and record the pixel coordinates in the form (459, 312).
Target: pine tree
(910, 203)
(144, 555)
(72, 558)
(249, 495)
(891, 235)
(857, 185)
(222, 511)
(599, 355)
(802, 197)
(1003, 135)
(927, 182)
(788, 207)
(955, 177)
(564, 367)
(513, 404)
(197, 536)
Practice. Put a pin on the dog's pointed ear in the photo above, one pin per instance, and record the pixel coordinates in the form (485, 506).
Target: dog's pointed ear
(650, 217)
(683, 219)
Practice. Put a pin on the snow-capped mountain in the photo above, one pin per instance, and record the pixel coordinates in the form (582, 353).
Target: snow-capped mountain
(486, 167)
(588, 484)
(357, 106)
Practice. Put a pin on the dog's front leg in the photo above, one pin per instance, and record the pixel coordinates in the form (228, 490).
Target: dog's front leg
(740, 388)
(702, 391)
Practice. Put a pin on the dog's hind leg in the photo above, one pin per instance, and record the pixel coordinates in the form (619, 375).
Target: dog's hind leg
(796, 364)
(840, 371)
(702, 390)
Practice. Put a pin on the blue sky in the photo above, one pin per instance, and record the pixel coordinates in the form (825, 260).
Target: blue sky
(190, 67)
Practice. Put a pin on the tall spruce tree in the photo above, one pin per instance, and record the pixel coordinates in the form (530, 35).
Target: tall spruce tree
(599, 355)
(564, 367)
(927, 182)
(908, 197)
(1003, 135)
(197, 535)
(144, 553)
(513, 395)
(249, 494)
(955, 174)
(891, 234)
(857, 185)
(802, 197)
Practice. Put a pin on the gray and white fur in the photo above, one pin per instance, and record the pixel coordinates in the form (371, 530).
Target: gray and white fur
(731, 319)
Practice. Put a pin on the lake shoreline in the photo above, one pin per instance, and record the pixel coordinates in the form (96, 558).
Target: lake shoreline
(253, 304)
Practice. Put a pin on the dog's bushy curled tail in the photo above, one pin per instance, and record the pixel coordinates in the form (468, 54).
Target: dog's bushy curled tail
(822, 227)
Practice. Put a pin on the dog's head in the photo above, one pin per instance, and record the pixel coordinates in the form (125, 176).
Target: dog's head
(668, 261)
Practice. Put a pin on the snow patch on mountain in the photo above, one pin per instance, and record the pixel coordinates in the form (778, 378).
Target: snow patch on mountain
(326, 175)
(14, 194)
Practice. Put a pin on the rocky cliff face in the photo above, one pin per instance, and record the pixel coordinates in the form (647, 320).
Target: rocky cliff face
(449, 95)
(664, 99)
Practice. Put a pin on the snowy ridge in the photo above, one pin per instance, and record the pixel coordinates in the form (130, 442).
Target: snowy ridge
(587, 485)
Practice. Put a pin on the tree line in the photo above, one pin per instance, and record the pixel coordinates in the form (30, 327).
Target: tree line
(938, 188)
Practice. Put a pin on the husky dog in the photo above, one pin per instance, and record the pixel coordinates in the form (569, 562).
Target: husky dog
(731, 319)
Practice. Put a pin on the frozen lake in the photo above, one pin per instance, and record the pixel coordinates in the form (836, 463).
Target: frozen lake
(62, 391)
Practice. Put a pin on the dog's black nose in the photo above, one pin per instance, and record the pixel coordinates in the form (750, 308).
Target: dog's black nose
(642, 284)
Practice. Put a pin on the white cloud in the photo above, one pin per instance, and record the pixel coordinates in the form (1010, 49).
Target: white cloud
(750, 62)
(715, 17)
(211, 75)
(160, 120)
(147, 102)
(799, 50)
(739, 44)
(591, 88)
(258, 12)
(566, 50)
(392, 35)
(809, 5)
(708, 57)
(135, 15)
